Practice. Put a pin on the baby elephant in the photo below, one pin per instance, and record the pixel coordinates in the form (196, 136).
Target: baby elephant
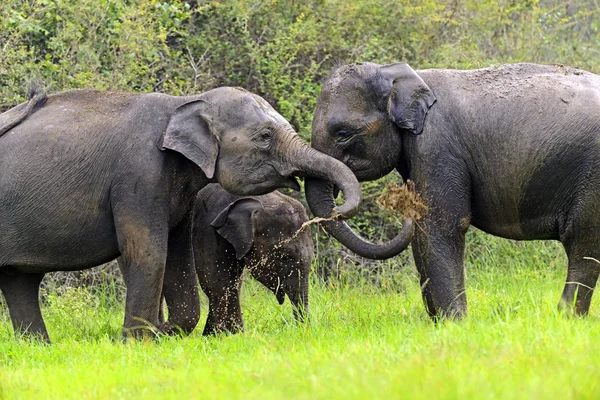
(231, 233)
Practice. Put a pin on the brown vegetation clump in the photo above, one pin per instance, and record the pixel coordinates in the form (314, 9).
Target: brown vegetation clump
(404, 199)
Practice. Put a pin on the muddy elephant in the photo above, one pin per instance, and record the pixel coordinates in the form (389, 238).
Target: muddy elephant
(88, 176)
(512, 150)
(259, 234)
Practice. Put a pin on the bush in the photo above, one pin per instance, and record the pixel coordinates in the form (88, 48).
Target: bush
(278, 49)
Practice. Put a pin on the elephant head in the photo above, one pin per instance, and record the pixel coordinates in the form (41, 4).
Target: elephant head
(264, 233)
(362, 113)
(239, 139)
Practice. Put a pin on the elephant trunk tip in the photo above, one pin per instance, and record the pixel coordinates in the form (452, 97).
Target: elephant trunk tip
(348, 209)
(299, 300)
(319, 195)
(301, 313)
(314, 165)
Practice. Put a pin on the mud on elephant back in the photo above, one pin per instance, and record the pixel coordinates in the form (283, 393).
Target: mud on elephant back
(512, 150)
(89, 176)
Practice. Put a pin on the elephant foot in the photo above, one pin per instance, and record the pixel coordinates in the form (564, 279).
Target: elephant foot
(216, 329)
(145, 333)
(171, 329)
(453, 313)
(33, 336)
(573, 309)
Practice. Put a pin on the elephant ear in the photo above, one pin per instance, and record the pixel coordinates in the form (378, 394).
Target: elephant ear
(189, 133)
(410, 98)
(237, 224)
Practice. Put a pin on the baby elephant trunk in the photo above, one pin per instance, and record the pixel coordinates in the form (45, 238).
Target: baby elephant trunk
(298, 295)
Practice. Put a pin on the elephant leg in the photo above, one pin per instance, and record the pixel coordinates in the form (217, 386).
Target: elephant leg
(425, 286)
(223, 292)
(439, 261)
(143, 247)
(225, 313)
(180, 286)
(582, 275)
(161, 308)
(21, 292)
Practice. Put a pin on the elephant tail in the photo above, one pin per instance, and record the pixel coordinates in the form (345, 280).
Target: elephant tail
(16, 115)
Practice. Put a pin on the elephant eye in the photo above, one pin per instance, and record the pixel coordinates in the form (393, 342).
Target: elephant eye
(264, 138)
(265, 135)
(345, 134)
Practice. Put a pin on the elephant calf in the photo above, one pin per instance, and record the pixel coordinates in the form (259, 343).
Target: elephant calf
(232, 233)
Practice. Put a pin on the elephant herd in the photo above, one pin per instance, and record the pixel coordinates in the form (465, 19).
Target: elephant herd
(91, 176)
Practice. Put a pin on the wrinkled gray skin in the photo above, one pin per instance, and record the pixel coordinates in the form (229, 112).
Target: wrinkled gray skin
(512, 150)
(89, 176)
(231, 233)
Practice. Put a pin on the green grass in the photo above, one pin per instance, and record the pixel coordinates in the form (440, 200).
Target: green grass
(363, 342)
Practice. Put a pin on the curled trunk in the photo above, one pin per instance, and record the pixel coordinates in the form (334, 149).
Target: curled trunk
(314, 164)
(319, 195)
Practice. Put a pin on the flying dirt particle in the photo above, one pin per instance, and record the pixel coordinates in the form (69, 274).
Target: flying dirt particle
(404, 199)
(305, 225)
(265, 258)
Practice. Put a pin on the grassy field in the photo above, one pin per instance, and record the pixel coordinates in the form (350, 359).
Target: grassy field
(364, 341)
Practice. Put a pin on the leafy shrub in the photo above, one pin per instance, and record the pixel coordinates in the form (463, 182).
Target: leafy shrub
(278, 49)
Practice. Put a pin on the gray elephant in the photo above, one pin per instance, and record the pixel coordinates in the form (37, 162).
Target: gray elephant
(259, 234)
(88, 176)
(512, 150)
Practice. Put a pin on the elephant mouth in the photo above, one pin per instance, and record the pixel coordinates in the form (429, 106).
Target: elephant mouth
(363, 172)
(288, 181)
(264, 186)
(292, 183)
(357, 166)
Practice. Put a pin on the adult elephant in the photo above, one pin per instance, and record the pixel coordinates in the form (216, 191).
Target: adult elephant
(88, 176)
(512, 150)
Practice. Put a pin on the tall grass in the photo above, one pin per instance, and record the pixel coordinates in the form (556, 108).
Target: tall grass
(366, 338)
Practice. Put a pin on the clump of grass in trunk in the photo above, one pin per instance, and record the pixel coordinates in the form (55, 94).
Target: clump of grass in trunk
(403, 199)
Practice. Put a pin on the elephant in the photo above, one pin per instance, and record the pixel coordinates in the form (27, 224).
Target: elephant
(89, 176)
(259, 234)
(512, 150)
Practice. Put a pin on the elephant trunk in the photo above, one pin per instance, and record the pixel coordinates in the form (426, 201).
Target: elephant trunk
(314, 164)
(299, 300)
(319, 195)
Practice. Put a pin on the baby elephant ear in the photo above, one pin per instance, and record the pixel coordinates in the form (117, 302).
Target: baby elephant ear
(237, 224)
(410, 98)
(188, 133)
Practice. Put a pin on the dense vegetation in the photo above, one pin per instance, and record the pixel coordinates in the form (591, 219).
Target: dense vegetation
(278, 49)
(369, 334)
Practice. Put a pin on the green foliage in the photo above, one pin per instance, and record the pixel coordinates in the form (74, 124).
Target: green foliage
(280, 49)
(101, 44)
(81, 312)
